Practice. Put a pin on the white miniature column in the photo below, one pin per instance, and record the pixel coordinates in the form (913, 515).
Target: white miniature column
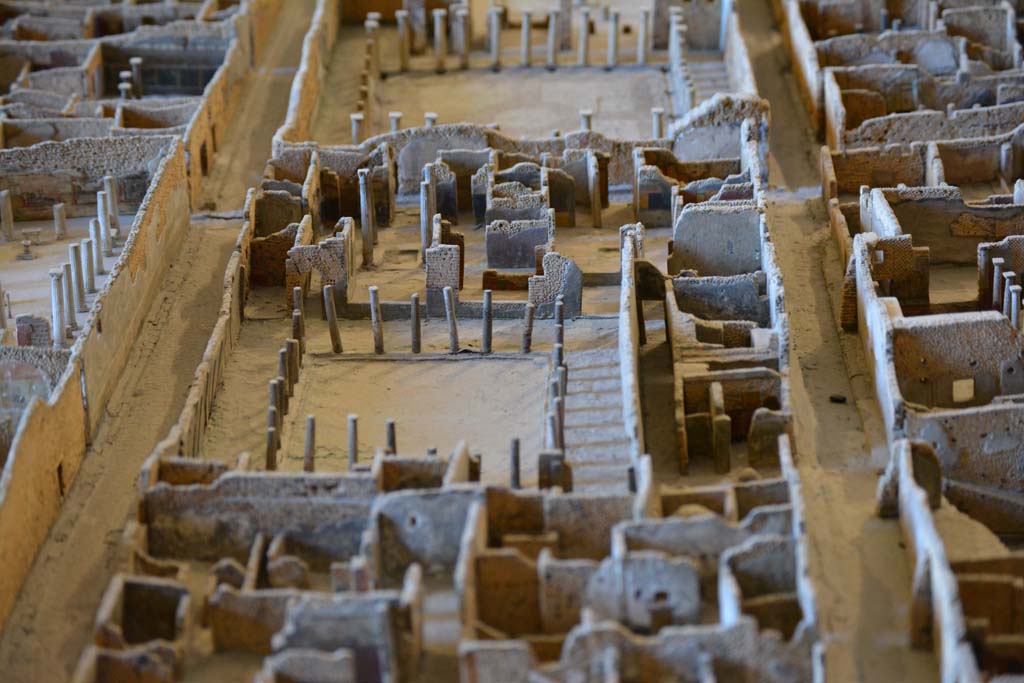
(57, 306)
(641, 37)
(402, 17)
(440, 38)
(366, 216)
(6, 215)
(396, 120)
(357, 127)
(657, 122)
(96, 235)
(60, 221)
(136, 64)
(69, 299)
(90, 267)
(583, 38)
(103, 214)
(113, 203)
(494, 22)
(613, 39)
(77, 276)
(425, 218)
(1009, 280)
(997, 284)
(124, 87)
(525, 49)
(1015, 306)
(462, 15)
(430, 119)
(553, 39)
(586, 119)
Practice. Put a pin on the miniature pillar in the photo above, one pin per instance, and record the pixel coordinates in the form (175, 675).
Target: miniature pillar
(377, 321)
(494, 23)
(57, 306)
(641, 37)
(275, 399)
(553, 39)
(103, 214)
(527, 328)
(357, 127)
(60, 221)
(462, 15)
(396, 120)
(136, 64)
(270, 459)
(430, 119)
(514, 464)
(613, 39)
(299, 330)
(453, 324)
(559, 411)
(124, 88)
(90, 267)
(6, 215)
(309, 452)
(426, 219)
(560, 310)
(69, 299)
(586, 119)
(1015, 306)
(557, 355)
(525, 49)
(392, 440)
(583, 38)
(485, 344)
(77, 276)
(113, 204)
(282, 397)
(563, 380)
(551, 435)
(96, 235)
(284, 370)
(366, 216)
(414, 321)
(1009, 280)
(997, 283)
(332, 318)
(402, 17)
(353, 441)
(294, 357)
(440, 39)
(657, 122)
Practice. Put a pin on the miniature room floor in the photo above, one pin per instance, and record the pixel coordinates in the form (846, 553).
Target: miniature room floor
(525, 101)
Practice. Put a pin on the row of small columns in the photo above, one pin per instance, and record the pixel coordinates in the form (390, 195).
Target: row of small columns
(554, 421)
(416, 335)
(70, 282)
(495, 16)
(358, 119)
(582, 43)
(1006, 292)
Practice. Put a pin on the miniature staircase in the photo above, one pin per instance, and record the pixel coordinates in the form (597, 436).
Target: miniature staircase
(596, 444)
(708, 78)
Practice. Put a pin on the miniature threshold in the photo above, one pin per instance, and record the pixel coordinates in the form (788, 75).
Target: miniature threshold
(499, 380)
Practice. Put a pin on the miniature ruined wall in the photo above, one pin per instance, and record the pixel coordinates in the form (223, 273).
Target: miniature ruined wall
(27, 132)
(41, 465)
(72, 171)
(936, 607)
(629, 343)
(153, 243)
